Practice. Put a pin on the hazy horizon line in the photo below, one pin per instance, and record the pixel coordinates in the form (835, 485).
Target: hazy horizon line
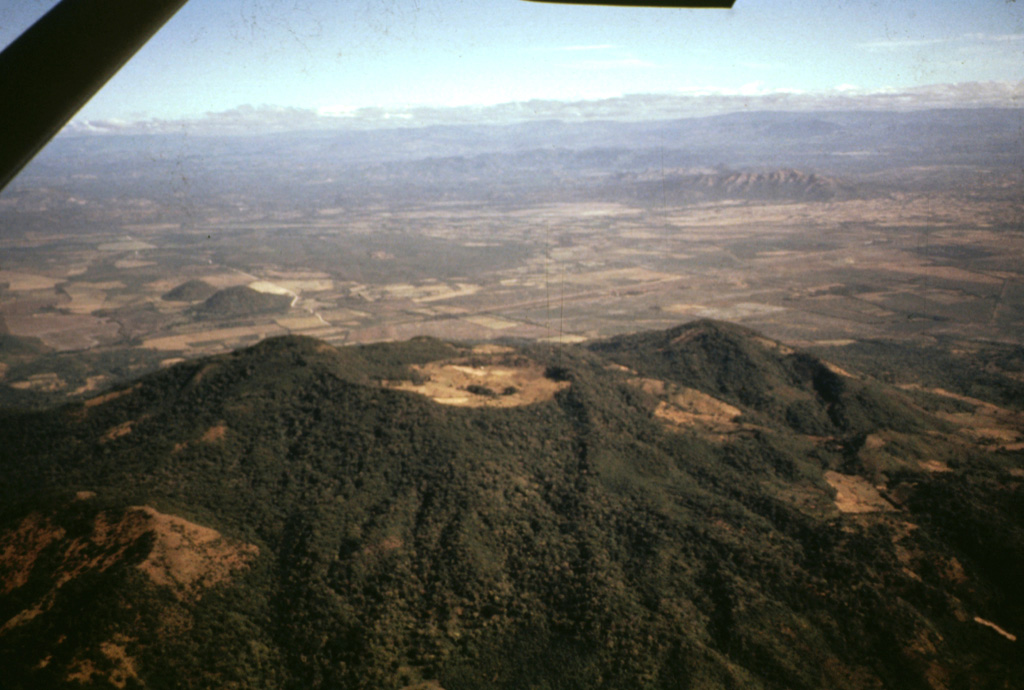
(268, 119)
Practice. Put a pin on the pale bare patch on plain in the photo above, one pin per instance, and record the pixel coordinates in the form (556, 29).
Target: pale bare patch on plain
(622, 276)
(941, 272)
(495, 323)
(446, 382)
(307, 285)
(738, 311)
(23, 282)
(302, 323)
(62, 331)
(226, 280)
(88, 297)
(564, 339)
(268, 288)
(125, 245)
(856, 494)
(492, 349)
(187, 341)
(684, 308)
(84, 495)
(460, 290)
(124, 264)
(841, 342)
(1011, 637)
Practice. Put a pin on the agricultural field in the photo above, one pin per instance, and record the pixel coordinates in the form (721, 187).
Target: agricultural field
(813, 273)
(573, 250)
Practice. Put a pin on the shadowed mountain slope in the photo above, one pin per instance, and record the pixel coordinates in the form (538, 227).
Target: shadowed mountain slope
(242, 301)
(190, 291)
(695, 508)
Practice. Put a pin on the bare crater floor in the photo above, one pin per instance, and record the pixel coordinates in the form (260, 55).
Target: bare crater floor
(487, 378)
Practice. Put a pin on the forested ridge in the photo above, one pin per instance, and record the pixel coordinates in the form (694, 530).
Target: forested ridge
(630, 531)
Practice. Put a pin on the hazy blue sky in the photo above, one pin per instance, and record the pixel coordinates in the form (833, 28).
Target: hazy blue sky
(339, 55)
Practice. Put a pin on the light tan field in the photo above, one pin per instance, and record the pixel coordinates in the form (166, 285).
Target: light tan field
(19, 281)
(127, 245)
(425, 292)
(193, 340)
(908, 265)
(307, 285)
(944, 272)
(492, 322)
(302, 323)
(519, 382)
(128, 264)
(85, 297)
(460, 290)
(564, 339)
(226, 280)
(62, 331)
(617, 275)
(269, 288)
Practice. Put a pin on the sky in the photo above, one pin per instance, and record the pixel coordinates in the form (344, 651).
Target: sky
(402, 59)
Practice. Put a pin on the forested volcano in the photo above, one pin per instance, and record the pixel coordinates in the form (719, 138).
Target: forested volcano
(695, 508)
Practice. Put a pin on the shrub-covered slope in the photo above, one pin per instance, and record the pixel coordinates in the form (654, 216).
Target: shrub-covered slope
(698, 508)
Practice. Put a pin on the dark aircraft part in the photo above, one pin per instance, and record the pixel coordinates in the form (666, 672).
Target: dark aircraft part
(712, 4)
(56, 66)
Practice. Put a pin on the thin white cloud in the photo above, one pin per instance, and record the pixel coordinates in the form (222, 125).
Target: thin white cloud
(603, 46)
(905, 43)
(750, 64)
(687, 102)
(902, 43)
(616, 63)
(995, 38)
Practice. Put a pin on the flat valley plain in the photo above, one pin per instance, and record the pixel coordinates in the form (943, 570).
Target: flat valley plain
(821, 251)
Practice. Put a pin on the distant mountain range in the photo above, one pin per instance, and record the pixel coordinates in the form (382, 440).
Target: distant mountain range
(701, 507)
(864, 152)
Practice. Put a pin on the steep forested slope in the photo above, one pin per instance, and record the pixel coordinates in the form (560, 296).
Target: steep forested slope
(700, 507)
